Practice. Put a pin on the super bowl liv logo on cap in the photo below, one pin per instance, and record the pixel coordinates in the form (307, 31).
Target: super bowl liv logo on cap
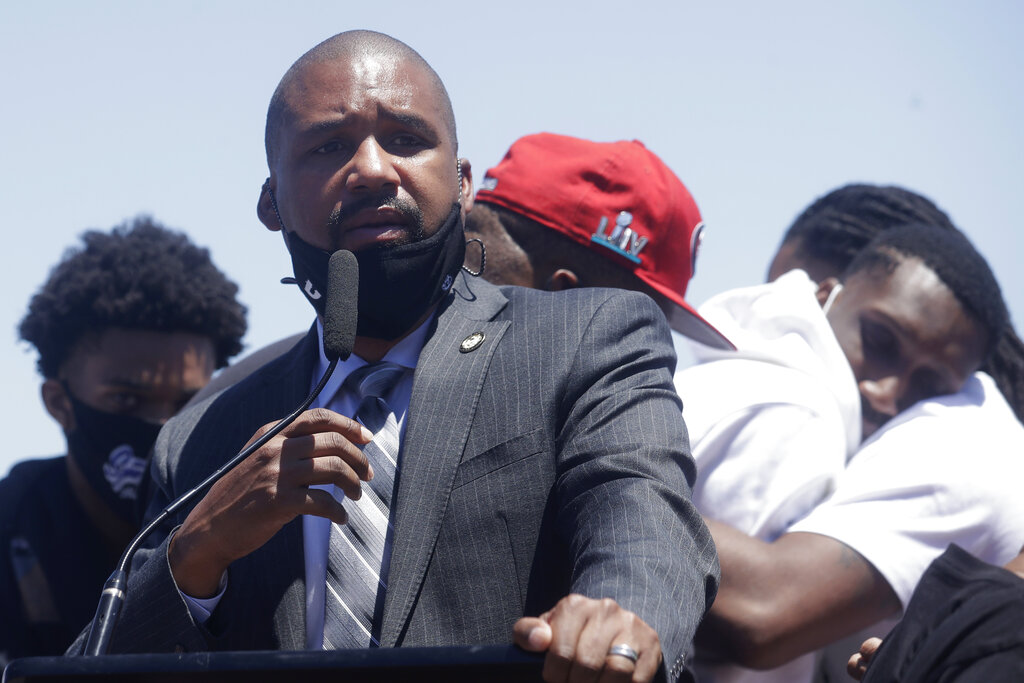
(623, 239)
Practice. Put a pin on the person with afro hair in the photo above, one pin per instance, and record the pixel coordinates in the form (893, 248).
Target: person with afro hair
(128, 327)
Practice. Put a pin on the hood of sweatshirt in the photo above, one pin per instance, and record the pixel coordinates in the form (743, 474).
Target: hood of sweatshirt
(781, 322)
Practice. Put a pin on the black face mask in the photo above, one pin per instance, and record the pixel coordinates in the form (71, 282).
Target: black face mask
(397, 284)
(112, 452)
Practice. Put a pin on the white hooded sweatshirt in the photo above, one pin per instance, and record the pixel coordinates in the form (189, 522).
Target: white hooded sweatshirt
(771, 425)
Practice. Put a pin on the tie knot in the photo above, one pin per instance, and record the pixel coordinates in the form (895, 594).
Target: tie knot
(376, 379)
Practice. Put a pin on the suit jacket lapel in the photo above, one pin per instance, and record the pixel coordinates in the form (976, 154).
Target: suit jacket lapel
(445, 393)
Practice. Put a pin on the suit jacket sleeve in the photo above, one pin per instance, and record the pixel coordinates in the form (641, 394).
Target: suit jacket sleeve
(625, 475)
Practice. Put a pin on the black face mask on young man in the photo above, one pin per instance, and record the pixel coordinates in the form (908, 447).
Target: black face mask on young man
(397, 284)
(112, 452)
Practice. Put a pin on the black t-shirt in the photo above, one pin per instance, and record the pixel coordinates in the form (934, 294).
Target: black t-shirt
(965, 623)
(53, 561)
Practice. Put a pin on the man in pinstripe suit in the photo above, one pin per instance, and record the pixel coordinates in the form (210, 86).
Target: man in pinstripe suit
(543, 475)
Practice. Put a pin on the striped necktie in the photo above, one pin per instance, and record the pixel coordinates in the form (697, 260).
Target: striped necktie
(356, 562)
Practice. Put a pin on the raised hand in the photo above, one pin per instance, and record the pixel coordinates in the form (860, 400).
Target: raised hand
(267, 490)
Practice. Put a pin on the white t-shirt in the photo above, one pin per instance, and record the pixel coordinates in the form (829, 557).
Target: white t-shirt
(771, 425)
(947, 470)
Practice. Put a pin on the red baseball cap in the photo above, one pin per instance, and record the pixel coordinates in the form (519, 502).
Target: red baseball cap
(619, 200)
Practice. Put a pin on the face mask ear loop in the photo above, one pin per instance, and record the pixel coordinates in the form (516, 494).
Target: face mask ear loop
(831, 297)
(483, 258)
(273, 202)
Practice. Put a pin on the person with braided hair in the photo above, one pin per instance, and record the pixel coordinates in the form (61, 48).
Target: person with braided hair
(788, 395)
(826, 237)
(929, 473)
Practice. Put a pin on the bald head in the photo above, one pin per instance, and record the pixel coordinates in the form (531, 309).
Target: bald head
(346, 47)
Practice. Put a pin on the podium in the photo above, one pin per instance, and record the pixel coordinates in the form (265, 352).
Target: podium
(497, 663)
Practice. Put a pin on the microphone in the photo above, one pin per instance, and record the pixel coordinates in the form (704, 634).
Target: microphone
(340, 318)
(341, 310)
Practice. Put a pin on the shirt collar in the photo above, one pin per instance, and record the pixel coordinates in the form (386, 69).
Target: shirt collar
(405, 353)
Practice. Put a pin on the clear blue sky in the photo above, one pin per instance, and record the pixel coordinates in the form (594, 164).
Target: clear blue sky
(115, 108)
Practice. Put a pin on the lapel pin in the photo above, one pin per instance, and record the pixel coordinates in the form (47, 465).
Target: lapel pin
(472, 342)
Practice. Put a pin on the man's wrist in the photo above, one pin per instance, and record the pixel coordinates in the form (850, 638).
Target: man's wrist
(193, 574)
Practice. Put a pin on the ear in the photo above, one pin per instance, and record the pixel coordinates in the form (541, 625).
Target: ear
(466, 187)
(562, 279)
(265, 207)
(825, 288)
(55, 398)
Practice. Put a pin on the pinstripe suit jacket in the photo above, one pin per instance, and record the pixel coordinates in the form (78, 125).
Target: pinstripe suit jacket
(551, 459)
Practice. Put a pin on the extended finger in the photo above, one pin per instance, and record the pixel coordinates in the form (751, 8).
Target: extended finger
(326, 420)
(319, 419)
(325, 458)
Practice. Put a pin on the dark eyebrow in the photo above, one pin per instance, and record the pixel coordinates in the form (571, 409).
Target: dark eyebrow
(411, 120)
(414, 121)
(408, 120)
(322, 126)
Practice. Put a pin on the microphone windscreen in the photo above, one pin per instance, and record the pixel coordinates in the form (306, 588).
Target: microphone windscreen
(341, 310)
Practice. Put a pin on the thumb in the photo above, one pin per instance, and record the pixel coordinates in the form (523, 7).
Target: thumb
(532, 634)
